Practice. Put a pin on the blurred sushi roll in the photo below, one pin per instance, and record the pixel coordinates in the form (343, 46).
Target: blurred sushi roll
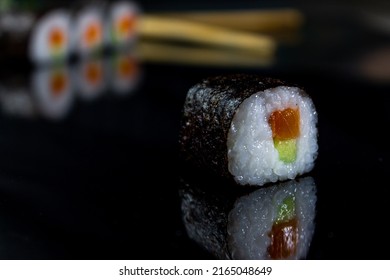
(88, 30)
(35, 36)
(50, 38)
(125, 71)
(255, 130)
(16, 100)
(122, 23)
(53, 89)
(275, 222)
(90, 78)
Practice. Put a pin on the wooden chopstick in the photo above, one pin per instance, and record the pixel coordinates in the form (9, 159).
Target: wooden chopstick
(260, 20)
(199, 56)
(184, 30)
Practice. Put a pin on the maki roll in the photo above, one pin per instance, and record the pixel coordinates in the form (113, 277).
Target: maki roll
(122, 23)
(275, 222)
(88, 30)
(50, 38)
(53, 89)
(90, 78)
(253, 129)
(126, 72)
(40, 35)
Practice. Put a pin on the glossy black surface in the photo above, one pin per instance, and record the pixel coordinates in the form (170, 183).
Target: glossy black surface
(102, 182)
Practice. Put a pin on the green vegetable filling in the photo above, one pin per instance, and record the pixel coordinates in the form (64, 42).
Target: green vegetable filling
(287, 150)
(286, 210)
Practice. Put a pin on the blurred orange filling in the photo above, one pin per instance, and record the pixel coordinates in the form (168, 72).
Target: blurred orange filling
(284, 237)
(125, 25)
(93, 73)
(93, 34)
(56, 38)
(285, 124)
(126, 68)
(58, 82)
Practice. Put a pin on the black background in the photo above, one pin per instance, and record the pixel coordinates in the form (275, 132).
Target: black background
(102, 183)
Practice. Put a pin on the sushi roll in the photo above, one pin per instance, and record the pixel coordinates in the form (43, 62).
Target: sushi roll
(126, 72)
(90, 78)
(275, 222)
(35, 36)
(122, 23)
(53, 90)
(50, 37)
(88, 30)
(255, 130)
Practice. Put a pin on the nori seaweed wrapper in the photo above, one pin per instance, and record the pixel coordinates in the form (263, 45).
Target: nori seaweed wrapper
(205, 222)
(205, 209)
(208, 111)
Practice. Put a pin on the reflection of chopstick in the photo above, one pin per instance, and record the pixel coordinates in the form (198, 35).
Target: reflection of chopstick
(188, 31)
(168, 53)
(249, 20)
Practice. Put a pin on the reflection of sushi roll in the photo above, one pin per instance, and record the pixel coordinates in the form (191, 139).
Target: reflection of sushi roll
(16, 100)
(90, 78)
(122, 22)
(88, 30)
(256, 130)
(125, 71)
(275, 222)
(50, 37)
(53, 90)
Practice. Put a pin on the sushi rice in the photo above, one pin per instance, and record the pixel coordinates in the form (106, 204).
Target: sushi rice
(253, 157)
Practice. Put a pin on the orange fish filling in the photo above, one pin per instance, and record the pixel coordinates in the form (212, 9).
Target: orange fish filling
(58, 82)
(125, 25)
(285, 124)
(93, 73)
(284, 238)
(93, 34)
(56, 38)
(126, 68)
